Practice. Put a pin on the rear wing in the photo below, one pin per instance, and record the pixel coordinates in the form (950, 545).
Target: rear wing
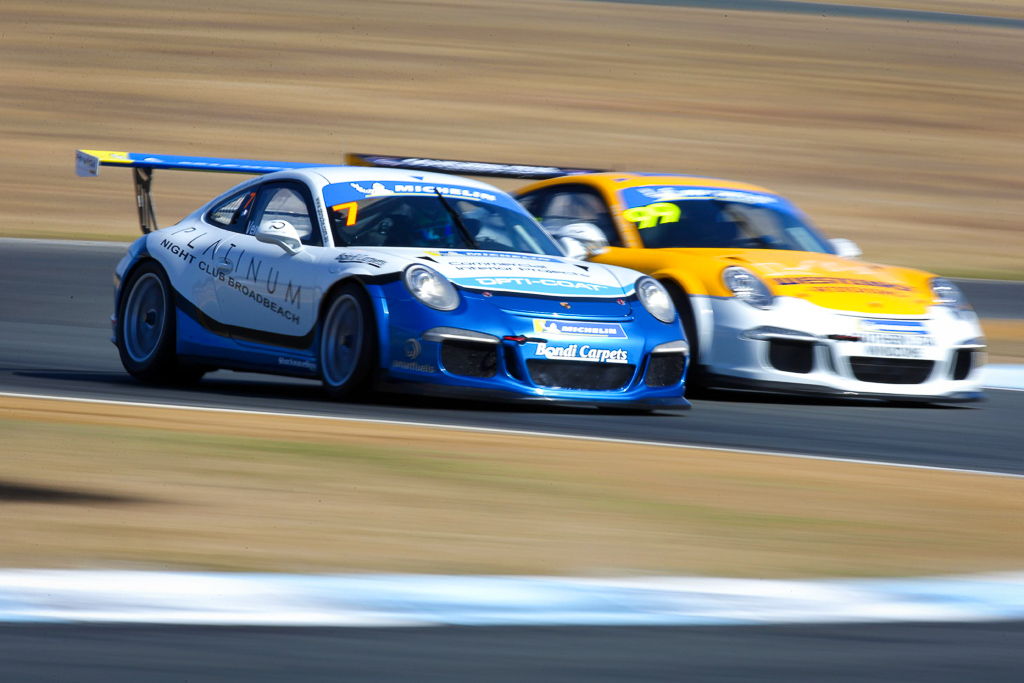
(478, 168)
(88, 162)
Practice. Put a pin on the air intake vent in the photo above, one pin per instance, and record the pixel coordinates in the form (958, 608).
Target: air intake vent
(791, 356)
(665, 369)
(891, 370)
(563, 374)
(470, 359)
(963, 363)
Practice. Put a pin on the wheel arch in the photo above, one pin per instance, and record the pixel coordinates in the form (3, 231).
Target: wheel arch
(378, 305)
(141, 260)
(687, 294)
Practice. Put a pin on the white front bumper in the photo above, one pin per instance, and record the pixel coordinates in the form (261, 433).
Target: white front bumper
(736, 342)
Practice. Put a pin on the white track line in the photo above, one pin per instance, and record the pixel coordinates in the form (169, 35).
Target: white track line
(517, 432)
(383, 600)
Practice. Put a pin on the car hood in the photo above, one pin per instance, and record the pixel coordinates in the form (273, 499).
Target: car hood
(822, 279)
(833, 282)
(517, 273)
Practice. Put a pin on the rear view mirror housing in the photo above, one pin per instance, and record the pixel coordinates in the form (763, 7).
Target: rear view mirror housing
(579, 236)
(281, 233)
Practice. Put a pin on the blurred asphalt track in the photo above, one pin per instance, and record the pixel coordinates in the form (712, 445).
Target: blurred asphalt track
(54, 340)
(908, 653)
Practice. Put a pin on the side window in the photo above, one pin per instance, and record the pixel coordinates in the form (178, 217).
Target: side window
(578, 203)
(287, 202)
(533, 201)
(232, 214)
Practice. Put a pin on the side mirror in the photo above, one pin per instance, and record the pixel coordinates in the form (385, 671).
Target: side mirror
(573, 248)
(587, 236)
(281, 233)
(845, 248)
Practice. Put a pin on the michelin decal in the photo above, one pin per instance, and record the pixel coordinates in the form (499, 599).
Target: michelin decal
(562, 328)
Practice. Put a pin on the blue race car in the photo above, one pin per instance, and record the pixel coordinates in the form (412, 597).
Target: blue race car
(382, 278)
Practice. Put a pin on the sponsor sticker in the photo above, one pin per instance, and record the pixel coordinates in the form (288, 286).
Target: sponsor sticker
(541, 285)
(350, 257)
(584, 352)
(503, 255)
(296, 363)
(893, 326)
(381, 189)
(413, 366)
(895, 338)
(824, 283)
(563, 328)
(340, 193)
(644, 196)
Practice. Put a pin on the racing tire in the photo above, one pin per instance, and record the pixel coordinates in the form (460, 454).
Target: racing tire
(146, 335)
(696, 377)
(347, 350)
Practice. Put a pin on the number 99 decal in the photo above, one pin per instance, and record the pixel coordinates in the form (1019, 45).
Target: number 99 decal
(652, 214)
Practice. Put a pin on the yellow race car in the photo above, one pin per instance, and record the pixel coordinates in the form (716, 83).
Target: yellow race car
(766, 300)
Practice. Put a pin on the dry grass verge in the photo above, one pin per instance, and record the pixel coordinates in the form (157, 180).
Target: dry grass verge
(93, 485)
(1005, 339)
(904, 136)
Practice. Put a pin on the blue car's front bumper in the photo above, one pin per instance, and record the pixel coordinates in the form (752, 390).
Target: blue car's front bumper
(601, 352)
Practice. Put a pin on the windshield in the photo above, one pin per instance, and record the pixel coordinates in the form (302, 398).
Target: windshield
(431, 221)
(760, 222)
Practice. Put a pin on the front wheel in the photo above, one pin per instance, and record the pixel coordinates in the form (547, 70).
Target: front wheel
(696, 378)
(146, 332)
(348, 343)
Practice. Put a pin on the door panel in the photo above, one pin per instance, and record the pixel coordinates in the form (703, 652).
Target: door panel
(266, 288)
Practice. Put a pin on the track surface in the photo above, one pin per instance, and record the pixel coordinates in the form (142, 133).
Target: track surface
(54, 334)
(932, 653)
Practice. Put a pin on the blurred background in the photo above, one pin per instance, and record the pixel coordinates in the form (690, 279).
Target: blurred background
(905, 136)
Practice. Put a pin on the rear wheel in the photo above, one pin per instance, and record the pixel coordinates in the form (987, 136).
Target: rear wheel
(348, 343)
(146, 336)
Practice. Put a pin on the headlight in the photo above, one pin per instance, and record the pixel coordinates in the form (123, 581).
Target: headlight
(948, 294)
(430, 287)
(655, 299)
(747, 287)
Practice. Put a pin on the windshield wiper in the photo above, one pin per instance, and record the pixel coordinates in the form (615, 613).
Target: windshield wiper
(457, 220)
